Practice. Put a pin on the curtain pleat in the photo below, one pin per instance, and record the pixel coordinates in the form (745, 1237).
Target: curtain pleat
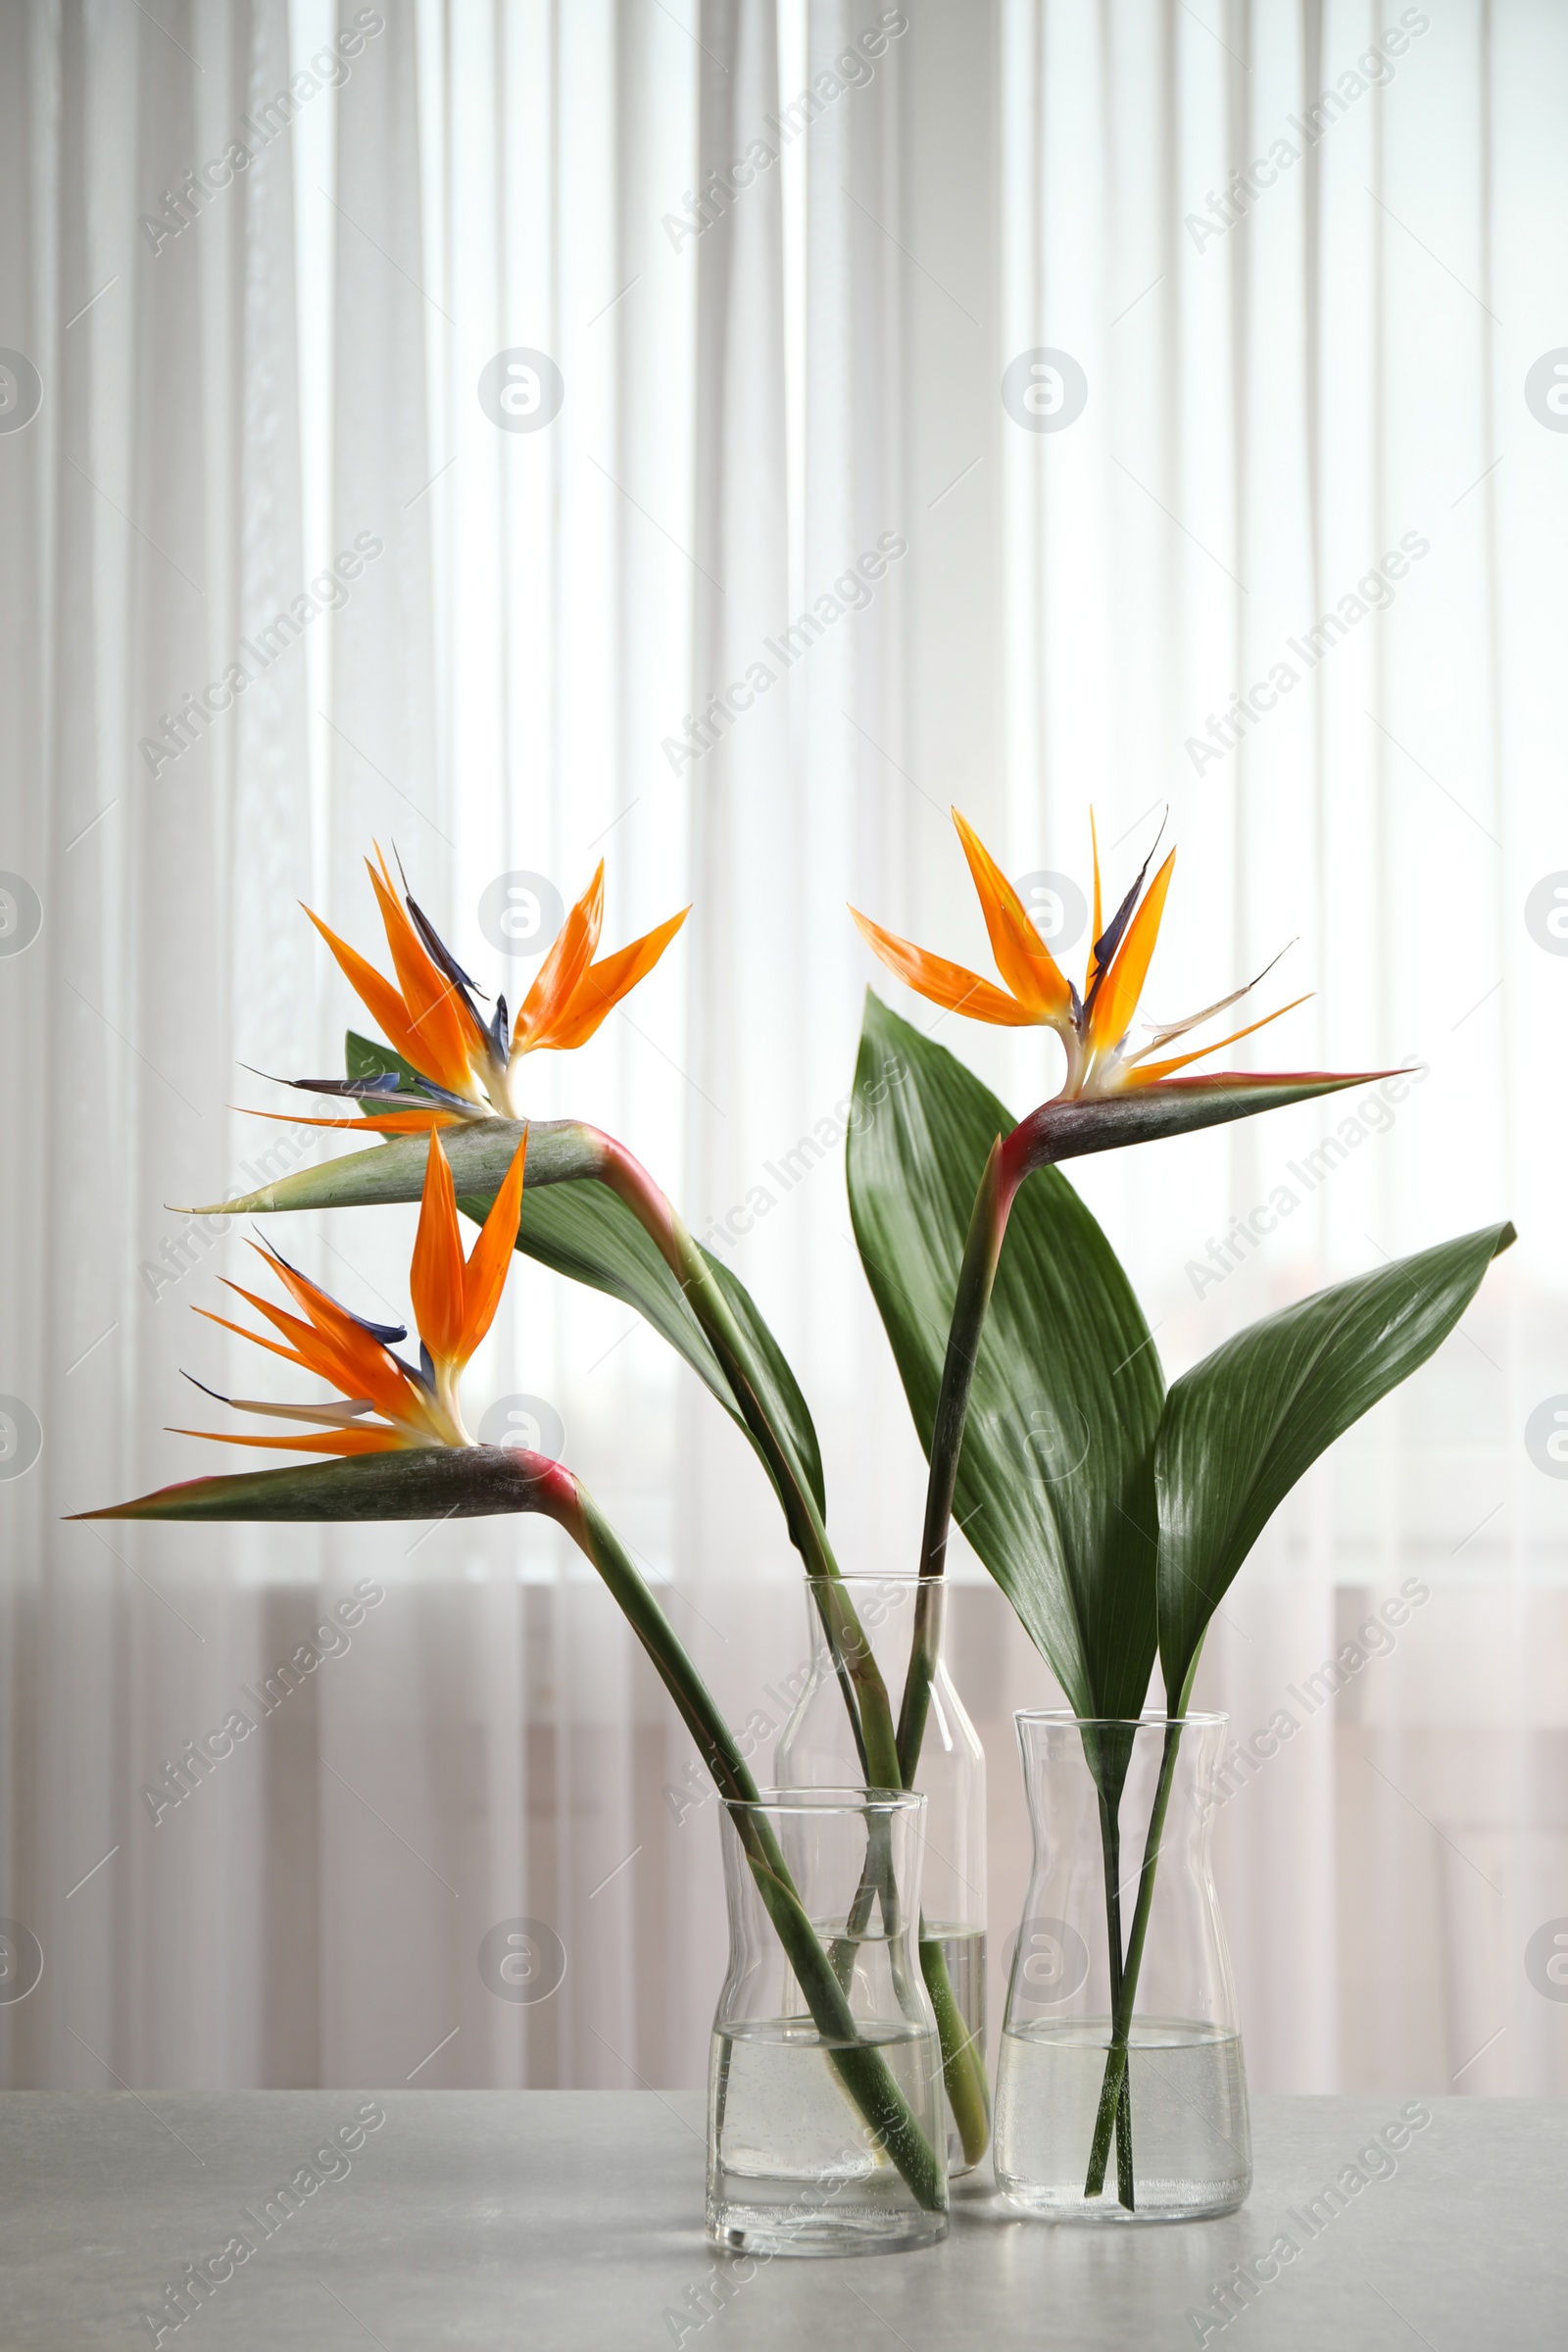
(781, 576)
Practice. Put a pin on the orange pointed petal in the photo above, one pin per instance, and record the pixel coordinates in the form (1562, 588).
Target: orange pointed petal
(435, 1277)
(314, 1349)
(568, 958)
(436, 1011)
(484, 1277)
(1022, 957)
(1162, 1070)
(1111, 1013)
(364, 1366)
(376, 1122)
(377, 994)
(602, 985)
(290, 1355)
(944, 983)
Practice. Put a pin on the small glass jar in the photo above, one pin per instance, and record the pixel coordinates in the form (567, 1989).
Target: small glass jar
(871, 1623)
(824, 2108)
(1121, 2093)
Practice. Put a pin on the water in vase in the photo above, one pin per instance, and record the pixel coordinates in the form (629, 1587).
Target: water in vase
(1191, 2150)
(793, 2169)
(964, 1951)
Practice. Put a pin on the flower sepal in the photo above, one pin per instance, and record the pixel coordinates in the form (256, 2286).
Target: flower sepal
(1072, 1127)
(478, 1154)
(420, 1482)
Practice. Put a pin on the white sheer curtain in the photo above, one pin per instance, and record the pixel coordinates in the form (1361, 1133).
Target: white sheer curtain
(761, 382)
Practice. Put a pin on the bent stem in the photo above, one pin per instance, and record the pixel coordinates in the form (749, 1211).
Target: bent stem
(962, 2063)
(982, 1252)
(885, 1758)
(858, 1673)
(1114, 2086)
(859, 2064)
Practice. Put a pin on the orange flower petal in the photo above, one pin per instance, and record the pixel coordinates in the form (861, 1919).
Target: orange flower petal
(602, 985)
(377, 994)
(1153, 1070)
(1022, 957)
(290, 1355)
(569, 956)
(364, 1366)
(435, 1277)
(311, 1347)
(1110, 1016)
(944, 983)
(484, 1278)
(437, 1014)
(377, 1122)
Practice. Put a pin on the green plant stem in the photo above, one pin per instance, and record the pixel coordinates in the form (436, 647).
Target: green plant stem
(1121, 2107)
(963, 2071)
(880, 1746)
(865, 1694)
(1115, 2077)
(859, 2064)
(872, 1714)
(982, 1251)
(964, 2066)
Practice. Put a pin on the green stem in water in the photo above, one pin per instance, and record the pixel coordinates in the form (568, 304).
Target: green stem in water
(964, 2066)
(1114, 2085)
(1110, 1850)
(859, 2064)
(880, 1746)
(962, 2063)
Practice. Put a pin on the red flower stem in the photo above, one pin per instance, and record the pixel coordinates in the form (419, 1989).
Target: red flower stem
(982, 1252)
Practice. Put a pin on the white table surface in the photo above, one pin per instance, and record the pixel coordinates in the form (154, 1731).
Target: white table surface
(562, 2220)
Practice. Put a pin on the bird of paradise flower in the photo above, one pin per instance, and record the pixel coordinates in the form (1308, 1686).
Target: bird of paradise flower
(385, 1403)
(1094, 1026)
(456, 1065)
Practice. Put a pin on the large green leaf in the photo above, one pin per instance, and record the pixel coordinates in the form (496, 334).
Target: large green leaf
(1056, 1488)
(1239, 1429)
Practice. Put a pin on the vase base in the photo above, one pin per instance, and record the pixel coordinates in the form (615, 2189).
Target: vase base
(1159, 2202)
(743, 2226)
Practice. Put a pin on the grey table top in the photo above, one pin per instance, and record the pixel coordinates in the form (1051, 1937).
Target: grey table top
(563, 2220)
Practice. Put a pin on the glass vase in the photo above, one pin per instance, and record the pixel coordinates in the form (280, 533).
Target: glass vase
(856, 1621)
(824, 2108)
(1121, 2093)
